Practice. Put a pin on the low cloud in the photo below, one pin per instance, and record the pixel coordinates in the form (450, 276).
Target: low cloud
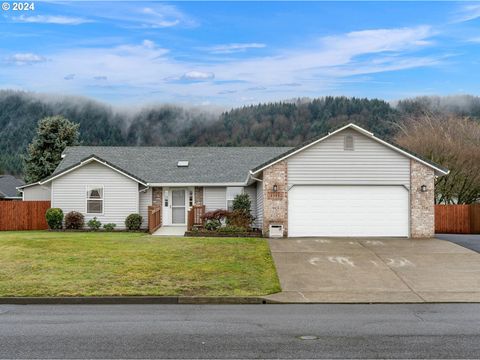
(69, 77)
(25, 59)
(52, 19)
(234, 48)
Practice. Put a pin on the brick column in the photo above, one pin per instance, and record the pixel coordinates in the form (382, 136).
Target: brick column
(275, 203)
(422, 204)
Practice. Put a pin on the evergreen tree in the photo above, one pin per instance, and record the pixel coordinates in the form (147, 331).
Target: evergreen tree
(54, 134)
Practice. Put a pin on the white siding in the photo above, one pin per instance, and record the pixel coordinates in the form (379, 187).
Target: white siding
(259, 203)
(252, 194)
(370, 163)
(145, 200)
(37, 193)
(215, 198)
(121, 196)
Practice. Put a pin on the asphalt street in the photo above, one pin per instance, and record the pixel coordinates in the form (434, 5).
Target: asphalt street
(240, 331)
(470, 241)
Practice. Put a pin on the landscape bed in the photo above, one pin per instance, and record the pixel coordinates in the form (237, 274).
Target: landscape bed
(43, 263)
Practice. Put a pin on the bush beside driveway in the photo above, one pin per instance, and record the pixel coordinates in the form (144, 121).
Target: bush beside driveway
(43, 263)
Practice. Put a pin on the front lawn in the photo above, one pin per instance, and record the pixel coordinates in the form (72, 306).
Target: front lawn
(42, 263)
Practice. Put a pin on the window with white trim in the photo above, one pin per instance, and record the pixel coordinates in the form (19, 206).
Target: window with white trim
(231, 193)
(94, 199)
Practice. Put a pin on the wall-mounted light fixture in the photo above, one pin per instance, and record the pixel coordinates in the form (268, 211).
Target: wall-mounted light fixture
(275, 188)
(423, 188)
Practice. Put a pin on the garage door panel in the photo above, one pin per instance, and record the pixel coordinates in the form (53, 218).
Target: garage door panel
(348, 211)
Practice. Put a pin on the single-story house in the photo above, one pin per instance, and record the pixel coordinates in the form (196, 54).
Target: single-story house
(8, 187)
(346, 183)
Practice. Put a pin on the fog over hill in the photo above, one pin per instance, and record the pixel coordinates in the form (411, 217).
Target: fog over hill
(286, 123)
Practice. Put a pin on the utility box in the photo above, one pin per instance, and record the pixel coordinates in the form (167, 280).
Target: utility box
(275, 231)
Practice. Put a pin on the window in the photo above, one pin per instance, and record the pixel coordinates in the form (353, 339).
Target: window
(95, 199)
(166, 198)
(231, 193)
(348, 142)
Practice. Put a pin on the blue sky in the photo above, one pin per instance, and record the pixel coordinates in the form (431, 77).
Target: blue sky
(234, 53)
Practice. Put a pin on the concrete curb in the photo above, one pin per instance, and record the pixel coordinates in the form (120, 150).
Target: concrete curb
(123, 300)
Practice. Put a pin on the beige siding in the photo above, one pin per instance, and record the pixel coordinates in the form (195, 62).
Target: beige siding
(215, 198)
(145, 200)
(370, 163)
(252, 194)
(37, 193)
(121, 196)
(259, 204)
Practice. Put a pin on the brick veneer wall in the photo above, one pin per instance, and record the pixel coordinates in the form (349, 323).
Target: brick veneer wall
(422, 204)
(198, 195)
(275, 204)
(157, 199)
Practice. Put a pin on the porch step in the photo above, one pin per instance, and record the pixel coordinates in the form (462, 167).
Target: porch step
(170, 231)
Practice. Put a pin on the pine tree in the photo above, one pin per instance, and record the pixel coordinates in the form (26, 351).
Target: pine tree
(54, 134)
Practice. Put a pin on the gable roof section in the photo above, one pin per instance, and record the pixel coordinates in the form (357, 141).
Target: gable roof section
(8, 187)
(438, 169)
(159, 165)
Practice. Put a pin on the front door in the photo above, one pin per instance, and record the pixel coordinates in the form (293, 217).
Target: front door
(178, 207)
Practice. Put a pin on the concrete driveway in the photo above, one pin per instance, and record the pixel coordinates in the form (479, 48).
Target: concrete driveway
(379, 270)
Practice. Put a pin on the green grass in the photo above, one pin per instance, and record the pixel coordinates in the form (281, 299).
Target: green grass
(42, 263)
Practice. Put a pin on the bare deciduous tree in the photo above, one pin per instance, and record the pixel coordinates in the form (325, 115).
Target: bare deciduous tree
(453, 142)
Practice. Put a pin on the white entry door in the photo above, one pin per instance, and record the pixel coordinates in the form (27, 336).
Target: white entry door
(178, 207)
(348, 211)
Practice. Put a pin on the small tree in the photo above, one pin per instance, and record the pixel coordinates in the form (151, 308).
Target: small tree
(54, 134)
(241, 215)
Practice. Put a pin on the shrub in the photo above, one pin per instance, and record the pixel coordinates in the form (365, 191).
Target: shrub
(218, 214)
(240, 219)
(109, 226)
(54, 217)
(94, 224)
(133, 221)
(74, 220)
(213, 224)
(241, 215)
(230, 229)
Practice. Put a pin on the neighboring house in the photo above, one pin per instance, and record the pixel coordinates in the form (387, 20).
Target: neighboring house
(347, 183)
(8, 187)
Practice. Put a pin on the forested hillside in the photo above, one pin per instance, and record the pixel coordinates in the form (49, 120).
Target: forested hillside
(282, 123)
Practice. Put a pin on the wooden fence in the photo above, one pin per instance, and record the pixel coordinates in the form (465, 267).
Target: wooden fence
(154, 218)
(195, 216)
(23, 215)
(457, 219)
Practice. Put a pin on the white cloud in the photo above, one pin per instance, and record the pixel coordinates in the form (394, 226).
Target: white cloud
(25, 58)
(153, 16)
(47, 19)
(198, 76)
(142, 72)
(467, 13)
(234, 47)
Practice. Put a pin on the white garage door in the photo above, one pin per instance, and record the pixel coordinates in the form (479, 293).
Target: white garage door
(348, 211)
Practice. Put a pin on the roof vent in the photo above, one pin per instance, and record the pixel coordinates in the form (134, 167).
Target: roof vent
(182, 163)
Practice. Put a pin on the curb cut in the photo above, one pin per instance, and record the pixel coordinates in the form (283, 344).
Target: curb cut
(125, 300)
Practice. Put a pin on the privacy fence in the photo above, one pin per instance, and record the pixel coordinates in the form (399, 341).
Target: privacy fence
(457, 219)
(23, 215)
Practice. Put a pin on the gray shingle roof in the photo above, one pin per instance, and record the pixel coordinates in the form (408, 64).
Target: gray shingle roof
(159, 164)
(8, 185)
